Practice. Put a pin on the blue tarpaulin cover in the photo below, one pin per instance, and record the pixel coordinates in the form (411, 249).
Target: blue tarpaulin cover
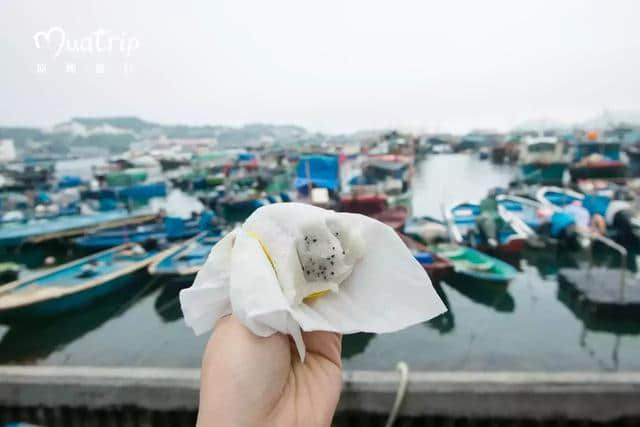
(560, 221)
(324, 171)
(596, 204)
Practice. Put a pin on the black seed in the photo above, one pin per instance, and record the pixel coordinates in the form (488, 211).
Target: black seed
(332, 273)
(308, 272)
(333, 256)
(331, 262)
(315, 240)
(333, 248)
(342, 252)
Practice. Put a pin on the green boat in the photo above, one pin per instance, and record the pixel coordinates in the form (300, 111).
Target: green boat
(475, 264)
(542, 161)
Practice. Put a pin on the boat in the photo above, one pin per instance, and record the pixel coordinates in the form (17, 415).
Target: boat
(533, 213)
(375, 205)
(75, 284)
(238, 206)
(437, 267)
(39, 230)
(467, 227)
(426, 230)
(598, 159)
(542, 161)
(172, 228)
(474, 264)
(186, 260)
(389, 173)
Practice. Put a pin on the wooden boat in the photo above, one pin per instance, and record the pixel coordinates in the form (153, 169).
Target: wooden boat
(598, 159)
(558, 196)
(186, 259)
(426, 229)
(542, 161)
(376, 206)
(463, 220)
(474, 264)
(75, 284)
(437, 267)
(36, 231)
(171, 229)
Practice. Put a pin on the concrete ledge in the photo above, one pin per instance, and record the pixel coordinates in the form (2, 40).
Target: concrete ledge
(512, 395)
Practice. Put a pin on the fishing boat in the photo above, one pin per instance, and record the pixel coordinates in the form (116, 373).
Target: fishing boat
(542, 161)
(39, 230)
(474, 264)
(239, 205)
(172, 228)
(75, 284)
(598, 159)
(390, 174)
(468, 226)
(426, 230)
(534, 214)
(375, 205)
(437, 267)
(186, 259)
(620, 215)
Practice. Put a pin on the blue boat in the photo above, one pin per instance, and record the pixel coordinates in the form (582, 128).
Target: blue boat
(186, 260)
(463, 220)
(171, 229)
(38, 230)
(75, 284)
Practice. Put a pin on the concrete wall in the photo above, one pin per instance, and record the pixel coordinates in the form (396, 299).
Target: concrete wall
(139, 394)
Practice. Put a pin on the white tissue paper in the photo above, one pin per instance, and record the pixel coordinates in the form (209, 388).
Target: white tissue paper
(294, 267)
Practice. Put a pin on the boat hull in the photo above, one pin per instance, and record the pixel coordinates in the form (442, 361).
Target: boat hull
(543, 173)
(56, 306)
(603, 171)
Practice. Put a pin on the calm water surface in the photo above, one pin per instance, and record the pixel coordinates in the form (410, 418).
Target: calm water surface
(528, 327)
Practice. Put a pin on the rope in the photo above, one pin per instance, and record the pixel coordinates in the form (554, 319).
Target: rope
(403, 368)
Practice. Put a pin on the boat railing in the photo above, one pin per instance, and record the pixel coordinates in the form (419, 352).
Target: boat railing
(623, 259)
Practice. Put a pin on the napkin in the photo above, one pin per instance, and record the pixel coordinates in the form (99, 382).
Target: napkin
(295, 267)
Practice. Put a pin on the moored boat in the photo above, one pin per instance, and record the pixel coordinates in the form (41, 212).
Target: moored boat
(186, 260)
(437, 267)
(39, 230)
(542, 161)
(75, 284)
(598, 159)
(172, 228)
(376, 206)
(476, 265)
(484, 228)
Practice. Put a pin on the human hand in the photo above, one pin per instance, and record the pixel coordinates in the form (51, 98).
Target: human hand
(248, 380)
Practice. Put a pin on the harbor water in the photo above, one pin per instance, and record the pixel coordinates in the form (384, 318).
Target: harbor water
(529, 326)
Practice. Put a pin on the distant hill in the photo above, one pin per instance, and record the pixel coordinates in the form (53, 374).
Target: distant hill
(117, 133)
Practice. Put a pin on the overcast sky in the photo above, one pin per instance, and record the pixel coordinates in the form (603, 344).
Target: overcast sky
(328, 65)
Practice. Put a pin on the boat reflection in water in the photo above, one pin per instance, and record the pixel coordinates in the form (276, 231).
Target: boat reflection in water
(47, 336)
(354, 344)
(444, 323)
(167, 303)
(598, 323)
(492, 295)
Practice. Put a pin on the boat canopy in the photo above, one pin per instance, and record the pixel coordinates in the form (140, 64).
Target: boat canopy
(610, 150)
(323, 171)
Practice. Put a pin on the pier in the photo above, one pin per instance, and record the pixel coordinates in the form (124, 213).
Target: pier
(92, 396)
